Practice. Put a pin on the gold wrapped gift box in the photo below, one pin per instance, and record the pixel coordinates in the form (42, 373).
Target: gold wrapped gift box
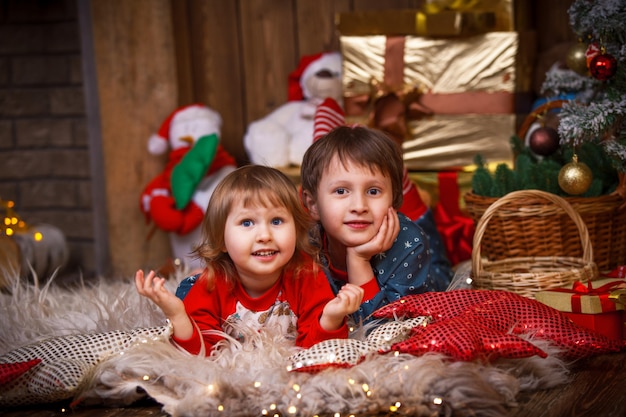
(589, 298)
(429, 186)
(451, 18)
(591, 305)
(444, 142)
(462, 94)
(410, 22)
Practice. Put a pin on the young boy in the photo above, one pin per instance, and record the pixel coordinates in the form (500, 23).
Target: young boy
(352, 186)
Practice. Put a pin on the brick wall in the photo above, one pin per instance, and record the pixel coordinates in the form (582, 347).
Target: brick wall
(44, 155)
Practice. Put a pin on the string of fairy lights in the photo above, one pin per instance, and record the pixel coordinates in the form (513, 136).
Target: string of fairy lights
(11, 222)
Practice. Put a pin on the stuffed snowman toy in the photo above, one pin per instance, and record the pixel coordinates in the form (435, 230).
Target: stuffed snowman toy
(176, 199)
(282, 137)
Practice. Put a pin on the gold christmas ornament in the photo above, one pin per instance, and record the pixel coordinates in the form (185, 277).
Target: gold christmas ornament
(575, 177)
(576, 59)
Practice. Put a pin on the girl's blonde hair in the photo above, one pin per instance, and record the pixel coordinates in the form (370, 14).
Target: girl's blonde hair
(251, 185)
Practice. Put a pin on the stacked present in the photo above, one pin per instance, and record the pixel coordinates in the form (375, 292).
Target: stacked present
(448, 83)
(596, 305)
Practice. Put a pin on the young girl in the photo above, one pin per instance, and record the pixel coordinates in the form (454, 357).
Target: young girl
(259, 272)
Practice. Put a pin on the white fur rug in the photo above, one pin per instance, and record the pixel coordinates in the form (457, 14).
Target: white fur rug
(252, 379)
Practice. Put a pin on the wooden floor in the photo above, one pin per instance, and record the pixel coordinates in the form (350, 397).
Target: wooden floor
(597, 389)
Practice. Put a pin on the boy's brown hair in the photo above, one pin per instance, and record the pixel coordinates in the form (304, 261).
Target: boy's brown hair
(360, 145)
(252, 185)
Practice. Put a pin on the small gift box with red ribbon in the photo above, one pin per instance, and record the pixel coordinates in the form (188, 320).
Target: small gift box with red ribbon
(596, 305)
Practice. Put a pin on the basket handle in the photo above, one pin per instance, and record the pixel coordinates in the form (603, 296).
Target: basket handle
(519, 195)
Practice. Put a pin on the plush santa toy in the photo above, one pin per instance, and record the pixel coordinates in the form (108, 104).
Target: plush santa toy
(282, 137)
(176, 199)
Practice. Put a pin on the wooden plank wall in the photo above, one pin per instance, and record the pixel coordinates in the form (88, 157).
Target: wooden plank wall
(136, 72)
(233, 55)
(241, 52)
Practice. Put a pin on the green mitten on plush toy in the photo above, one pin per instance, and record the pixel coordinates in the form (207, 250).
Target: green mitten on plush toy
(188, 173)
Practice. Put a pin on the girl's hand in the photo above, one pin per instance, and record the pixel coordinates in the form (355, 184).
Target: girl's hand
(152, 287)
(346, 302)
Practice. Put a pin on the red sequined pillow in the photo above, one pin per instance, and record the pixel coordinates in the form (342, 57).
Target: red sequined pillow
(524, 316)
(465, 339)
(10, 371)
(439, 305)
(500, 311)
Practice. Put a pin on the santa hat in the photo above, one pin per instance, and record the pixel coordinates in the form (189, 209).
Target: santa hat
(158, 143)
(308, 66)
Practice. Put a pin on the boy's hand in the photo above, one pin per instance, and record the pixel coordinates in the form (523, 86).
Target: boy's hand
(346, 302)
(383, 240)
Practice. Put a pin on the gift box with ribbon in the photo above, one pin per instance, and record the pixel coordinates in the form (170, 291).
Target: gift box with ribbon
(442, 191)
(446, 98)
(595, 305)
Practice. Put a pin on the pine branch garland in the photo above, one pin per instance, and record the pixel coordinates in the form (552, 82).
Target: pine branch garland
(532, 172)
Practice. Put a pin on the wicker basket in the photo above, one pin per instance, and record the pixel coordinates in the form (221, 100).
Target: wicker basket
(526, 275)
(529, 227)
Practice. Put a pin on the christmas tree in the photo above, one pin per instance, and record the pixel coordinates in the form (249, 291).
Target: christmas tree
(586, 153)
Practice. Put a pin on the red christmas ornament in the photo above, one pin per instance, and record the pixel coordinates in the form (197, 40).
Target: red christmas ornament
(603, 66)
(544, 141)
